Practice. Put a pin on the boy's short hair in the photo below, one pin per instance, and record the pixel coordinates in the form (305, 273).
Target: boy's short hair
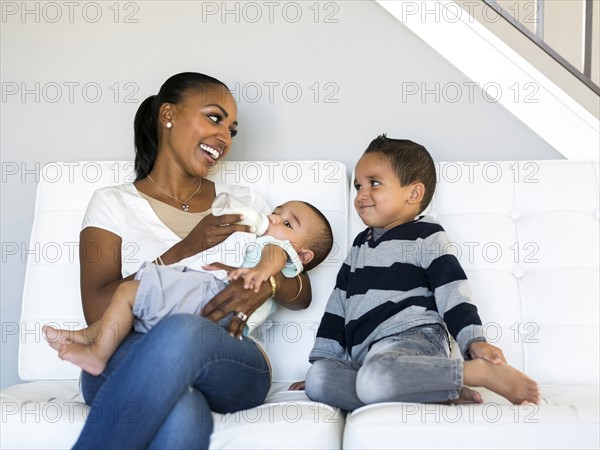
(320, 240)
(410, 161)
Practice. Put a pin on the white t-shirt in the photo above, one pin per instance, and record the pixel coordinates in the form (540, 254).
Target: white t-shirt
(123, 211)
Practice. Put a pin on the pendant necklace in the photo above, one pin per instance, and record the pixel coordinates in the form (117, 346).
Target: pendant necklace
(184, 204)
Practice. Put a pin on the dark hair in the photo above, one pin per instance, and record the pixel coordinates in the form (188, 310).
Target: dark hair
(410, 161)
(320, 240)
(145, 124)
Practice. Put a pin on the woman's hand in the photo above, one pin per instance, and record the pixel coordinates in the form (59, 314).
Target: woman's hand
(210, 231)
(235, 299)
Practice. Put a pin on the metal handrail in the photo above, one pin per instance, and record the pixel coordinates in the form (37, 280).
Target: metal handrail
(538, 39)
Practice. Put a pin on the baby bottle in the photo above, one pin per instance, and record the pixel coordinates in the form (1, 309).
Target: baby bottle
(225, 203)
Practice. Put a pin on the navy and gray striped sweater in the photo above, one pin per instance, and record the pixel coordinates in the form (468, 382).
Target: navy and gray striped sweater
(403, 279)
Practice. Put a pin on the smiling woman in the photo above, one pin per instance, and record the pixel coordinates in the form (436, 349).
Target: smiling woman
(180, 134)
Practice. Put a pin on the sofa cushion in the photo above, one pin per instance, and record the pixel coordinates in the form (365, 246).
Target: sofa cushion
(527, 235)
(567, 418)
(51, 414)
(63, 195)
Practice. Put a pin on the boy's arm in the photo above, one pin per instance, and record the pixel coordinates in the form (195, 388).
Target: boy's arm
(272, 260)
(330, 341)
(452, 293)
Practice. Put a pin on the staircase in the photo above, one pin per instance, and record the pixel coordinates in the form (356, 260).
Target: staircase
(538, 58)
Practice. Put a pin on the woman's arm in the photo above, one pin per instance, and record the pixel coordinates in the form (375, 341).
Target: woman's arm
(101, 263)
(100, 270)
(290, 293)
(293, 293)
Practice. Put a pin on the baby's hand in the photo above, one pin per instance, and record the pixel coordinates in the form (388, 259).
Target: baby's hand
(253, 278)
(489, 352)
(297, 386)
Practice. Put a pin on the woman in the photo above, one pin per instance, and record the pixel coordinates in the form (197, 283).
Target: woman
(158, 389)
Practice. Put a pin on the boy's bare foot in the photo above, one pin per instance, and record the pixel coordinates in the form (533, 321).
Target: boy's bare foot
(502, 379)
(83, 356)
(297, 386)
(466, 396)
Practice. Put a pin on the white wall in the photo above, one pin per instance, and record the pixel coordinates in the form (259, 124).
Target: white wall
(355, 65)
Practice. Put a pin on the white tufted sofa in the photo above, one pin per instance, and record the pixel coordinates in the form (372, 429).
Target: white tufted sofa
(527, 234)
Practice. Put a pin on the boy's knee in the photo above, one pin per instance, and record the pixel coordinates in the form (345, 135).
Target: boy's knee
(314, 385)
(372, 379)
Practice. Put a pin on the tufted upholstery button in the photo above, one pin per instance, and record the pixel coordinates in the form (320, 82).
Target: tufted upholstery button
(519, 273)
(514, 214)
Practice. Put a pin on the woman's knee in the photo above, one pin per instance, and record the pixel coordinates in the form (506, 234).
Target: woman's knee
(186, 332)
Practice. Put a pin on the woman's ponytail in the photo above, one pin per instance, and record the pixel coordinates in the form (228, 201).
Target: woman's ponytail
(145, 138)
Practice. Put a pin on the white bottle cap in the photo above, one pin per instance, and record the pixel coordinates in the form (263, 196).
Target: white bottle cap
(262, 227)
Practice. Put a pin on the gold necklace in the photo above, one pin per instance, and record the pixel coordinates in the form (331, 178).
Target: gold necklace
(184, 205)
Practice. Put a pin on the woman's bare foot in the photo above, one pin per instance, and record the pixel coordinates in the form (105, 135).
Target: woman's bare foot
(502, 379)
(84, 356)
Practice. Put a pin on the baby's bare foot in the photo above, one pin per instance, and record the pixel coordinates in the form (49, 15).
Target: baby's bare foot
(56, 337)
(83, 356)
(504, 380)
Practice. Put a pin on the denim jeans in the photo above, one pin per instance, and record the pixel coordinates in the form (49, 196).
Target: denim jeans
(159, 389)
(412, 366)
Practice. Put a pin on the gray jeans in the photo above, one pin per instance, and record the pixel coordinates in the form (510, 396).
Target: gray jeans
(412, 366)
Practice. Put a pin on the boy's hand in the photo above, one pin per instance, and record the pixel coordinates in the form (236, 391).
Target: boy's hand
(253, 278)
(297, 386)
(489, 352)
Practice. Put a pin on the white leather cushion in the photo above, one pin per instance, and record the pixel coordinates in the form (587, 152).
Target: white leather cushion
(567, 418)
(50, 414)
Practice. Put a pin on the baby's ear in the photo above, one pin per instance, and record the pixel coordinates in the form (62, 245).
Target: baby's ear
(306, 255)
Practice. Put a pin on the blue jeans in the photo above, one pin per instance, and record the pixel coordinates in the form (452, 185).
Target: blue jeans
(412, 366)
(159, 389)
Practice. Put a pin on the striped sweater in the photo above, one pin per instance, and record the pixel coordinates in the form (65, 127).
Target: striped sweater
(405, 278)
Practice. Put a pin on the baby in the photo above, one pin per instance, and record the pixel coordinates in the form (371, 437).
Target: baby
(298, 238)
